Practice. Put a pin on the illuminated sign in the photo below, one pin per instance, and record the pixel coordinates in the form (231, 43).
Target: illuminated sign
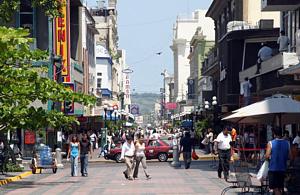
(62, 47)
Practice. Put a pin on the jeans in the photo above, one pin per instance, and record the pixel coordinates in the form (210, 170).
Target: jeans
(187, 157)
(224, 158)
(140, 159)
(74, 165)
(84, 164)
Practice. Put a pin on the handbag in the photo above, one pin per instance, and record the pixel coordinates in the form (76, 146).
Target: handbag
(194, 155)
(263, 171)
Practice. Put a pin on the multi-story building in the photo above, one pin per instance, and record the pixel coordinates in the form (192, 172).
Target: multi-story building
(240, 29)
(199, 48)
(183, 31)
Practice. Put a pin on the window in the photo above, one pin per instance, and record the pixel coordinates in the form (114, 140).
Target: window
(99, 74)
(99, 83)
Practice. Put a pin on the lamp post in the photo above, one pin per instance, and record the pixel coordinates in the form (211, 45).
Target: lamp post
(105, 116)
(214, 103)
(163, 96)
(115, 107)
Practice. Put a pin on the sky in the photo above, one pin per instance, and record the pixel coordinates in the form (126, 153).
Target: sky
(145, 28)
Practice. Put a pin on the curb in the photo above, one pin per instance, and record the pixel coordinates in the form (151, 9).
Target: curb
(15, 178)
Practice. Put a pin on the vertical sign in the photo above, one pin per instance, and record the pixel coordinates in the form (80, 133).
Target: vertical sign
(127, 90)
(62, 40)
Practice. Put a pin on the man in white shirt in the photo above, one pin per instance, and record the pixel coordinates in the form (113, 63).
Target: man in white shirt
(297, 140)
(283, 42)
(223, 145)
(128, 151)
(246, 91)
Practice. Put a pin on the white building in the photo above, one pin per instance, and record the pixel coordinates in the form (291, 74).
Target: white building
(183, 31)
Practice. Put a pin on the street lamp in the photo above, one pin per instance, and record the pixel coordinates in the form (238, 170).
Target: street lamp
(105, 112)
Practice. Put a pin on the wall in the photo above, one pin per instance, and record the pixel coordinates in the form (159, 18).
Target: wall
(253, 13)
(104, 66)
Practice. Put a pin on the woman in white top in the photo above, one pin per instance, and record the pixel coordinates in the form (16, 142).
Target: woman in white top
(140, 157)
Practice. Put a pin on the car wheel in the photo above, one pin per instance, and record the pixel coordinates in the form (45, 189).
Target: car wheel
(162, 157)
(118, 158)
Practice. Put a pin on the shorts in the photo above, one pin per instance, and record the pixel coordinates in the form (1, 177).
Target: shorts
(276, 179)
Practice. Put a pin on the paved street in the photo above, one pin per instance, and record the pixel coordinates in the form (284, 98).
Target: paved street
(107, 178)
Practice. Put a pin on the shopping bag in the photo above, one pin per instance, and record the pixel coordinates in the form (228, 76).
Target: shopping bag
(263, 171)
(194, 155)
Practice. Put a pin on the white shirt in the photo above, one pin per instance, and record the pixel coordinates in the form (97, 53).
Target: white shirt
(297, 141)
(127, 149)
(283, 42)
(93, 137)
(223, 141)
(245, 88)
(140, 150)
(210, 136)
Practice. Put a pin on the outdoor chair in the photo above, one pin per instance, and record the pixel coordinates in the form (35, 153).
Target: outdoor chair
(243, 180)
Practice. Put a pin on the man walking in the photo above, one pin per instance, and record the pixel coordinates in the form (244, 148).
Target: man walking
(128, 150)
(278, 152)
(86, 148)
(223, 145)
(186, 149)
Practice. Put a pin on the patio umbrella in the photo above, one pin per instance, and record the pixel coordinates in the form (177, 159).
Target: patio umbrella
(283, 109)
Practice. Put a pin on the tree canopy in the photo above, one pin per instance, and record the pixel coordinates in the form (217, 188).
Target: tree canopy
(21, 84)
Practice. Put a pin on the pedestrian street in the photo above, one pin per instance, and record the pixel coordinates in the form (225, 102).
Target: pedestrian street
(107, 178)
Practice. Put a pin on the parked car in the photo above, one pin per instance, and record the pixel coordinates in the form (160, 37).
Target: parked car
(155, 149)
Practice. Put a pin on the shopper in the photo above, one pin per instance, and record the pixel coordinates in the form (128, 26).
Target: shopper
(223, 146)
(140, 157)
(73, 152)
(278, 152)
(127, 155)
(93, 138)
(85, 150)
(186, 149)
(210, 139)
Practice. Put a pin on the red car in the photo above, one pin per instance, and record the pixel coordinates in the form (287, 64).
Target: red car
(155, 149)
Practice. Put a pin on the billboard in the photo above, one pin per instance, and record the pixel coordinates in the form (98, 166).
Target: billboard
(171, 106)
(62, 40)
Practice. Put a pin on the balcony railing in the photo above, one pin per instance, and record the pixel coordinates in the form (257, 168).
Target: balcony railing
(279, 5)
(281, 60)
(210, 60)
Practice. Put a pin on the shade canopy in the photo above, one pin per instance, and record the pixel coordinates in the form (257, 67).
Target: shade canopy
(285, 109)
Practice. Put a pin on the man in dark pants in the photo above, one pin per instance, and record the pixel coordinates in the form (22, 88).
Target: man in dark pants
(223, 146)
(85, 149)
(186, 149)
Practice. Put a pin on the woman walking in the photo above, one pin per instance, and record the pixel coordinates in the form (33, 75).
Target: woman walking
(140, 157)
(73, 154)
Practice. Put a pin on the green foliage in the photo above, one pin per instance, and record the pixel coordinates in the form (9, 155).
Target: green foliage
(200, 126)
(21, 85)
(11, 167)
(9, 7)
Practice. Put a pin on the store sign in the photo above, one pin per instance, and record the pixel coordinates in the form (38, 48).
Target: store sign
(62, 40)
(29, 137)
(171, 106)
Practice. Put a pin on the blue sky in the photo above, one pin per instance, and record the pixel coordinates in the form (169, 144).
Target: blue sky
(145, 28)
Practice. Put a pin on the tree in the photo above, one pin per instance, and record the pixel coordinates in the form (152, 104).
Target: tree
(22, 84)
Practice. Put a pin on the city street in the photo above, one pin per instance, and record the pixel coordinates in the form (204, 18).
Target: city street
(107, 178)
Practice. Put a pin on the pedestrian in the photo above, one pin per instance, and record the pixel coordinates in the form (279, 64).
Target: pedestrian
(223, 146)
(140, 157)
(73, 152)
(85, 150)
(297, 139)
(233, 136)
(264, 54)
(186, 149)
(210, 137)
(278, 152)
(93, 138)
(283, 42)
(128, 151)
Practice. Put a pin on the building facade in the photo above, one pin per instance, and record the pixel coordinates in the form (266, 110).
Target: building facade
(183, 32)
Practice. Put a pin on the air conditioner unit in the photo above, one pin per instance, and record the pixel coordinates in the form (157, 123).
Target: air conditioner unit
(266, 24)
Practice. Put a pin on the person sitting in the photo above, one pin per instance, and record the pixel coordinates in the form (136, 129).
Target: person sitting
(264, 54)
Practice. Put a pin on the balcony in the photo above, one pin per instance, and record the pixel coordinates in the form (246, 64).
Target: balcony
(211, 60)
(280, 61)
(279, 5)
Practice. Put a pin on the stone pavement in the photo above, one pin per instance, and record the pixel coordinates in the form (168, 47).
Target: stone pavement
(107, 178)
